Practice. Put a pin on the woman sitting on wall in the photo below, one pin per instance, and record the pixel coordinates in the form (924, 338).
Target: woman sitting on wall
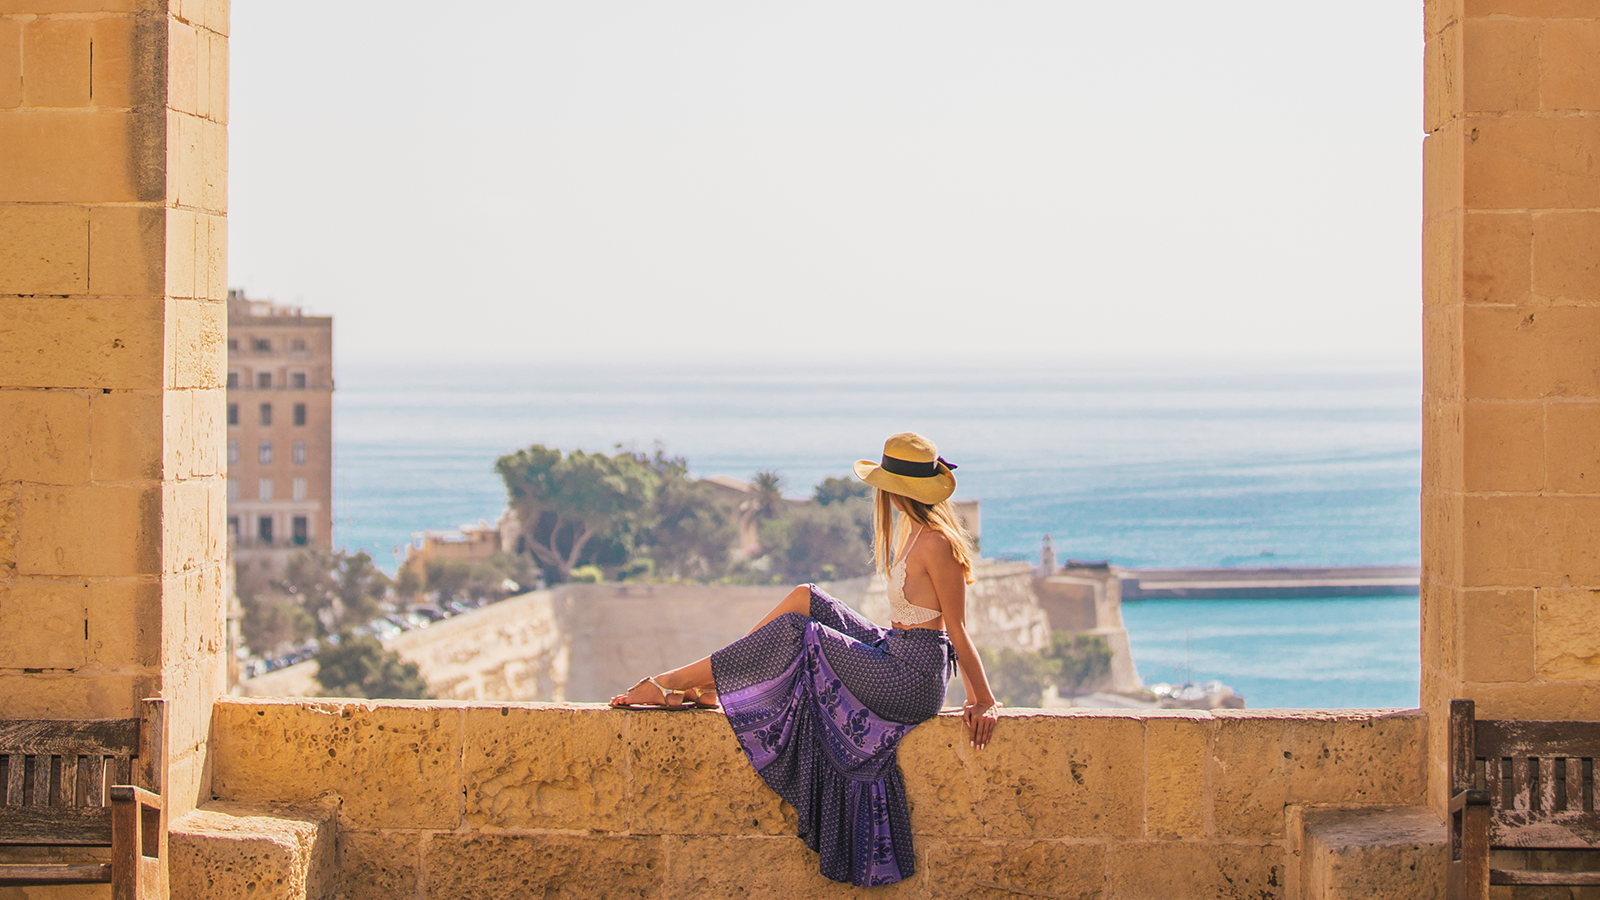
(819, 697)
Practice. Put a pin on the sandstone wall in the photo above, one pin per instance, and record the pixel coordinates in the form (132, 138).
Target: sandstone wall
(1511, 410)
(113, 234)
(450, 800)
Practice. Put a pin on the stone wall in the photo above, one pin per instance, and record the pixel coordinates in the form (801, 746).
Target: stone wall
(449, 800)
(1511, 412)
(112, 326)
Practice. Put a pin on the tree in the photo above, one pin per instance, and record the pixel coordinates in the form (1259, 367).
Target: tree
(694, 530)
(360, 667)
(768, 498)
(820, 542)
(337, 589)
(840, 490)
(1081, 661)
(273, 623)
(1018, 677)
(486, 580)
(565, 501)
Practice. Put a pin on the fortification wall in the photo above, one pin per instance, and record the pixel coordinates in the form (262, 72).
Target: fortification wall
(453, 800)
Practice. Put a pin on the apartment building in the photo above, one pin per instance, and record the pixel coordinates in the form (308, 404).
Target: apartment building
(280, 429)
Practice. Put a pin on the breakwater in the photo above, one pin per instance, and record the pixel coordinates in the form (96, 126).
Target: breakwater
(1279, 582)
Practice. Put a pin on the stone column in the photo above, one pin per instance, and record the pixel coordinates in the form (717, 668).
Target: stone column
(1511, 434)
(113, 146)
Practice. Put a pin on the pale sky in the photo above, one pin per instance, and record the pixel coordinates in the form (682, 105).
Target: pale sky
(722, 181)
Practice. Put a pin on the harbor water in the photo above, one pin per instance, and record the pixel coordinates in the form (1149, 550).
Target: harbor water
(1141, 465)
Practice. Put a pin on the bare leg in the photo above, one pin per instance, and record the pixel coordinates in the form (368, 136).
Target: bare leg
(698, 673)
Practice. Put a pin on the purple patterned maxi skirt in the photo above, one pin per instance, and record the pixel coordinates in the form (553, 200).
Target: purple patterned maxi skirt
(819, 706)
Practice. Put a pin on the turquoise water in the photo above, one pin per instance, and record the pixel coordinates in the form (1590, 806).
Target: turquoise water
(1145, 466)
(1323, 653)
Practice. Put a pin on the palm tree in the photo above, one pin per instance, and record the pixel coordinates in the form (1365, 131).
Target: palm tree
(768, 490)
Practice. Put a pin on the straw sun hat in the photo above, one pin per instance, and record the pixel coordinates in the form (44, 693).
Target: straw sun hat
(911, 466)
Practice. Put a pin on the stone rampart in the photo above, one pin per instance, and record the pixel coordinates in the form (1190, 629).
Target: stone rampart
(448, 800)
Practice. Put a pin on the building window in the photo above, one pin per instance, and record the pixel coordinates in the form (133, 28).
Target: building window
(233, 413)
(299, 488)
(264, 489)
(299, 453)
(264, 529)
(233, 345)
(264, 453)
(233, 527)
(264, 380)
(233, 490)
(302, 530)
(299, 413)
(233, 381)
(266, 414)
(297, 380)
(233, 451)
(298, 345)
(262, 345)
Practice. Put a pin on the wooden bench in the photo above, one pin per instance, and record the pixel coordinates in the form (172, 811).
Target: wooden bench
(56, 777)
(1519, 785)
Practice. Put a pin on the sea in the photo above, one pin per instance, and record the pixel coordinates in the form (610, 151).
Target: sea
(1143, 464)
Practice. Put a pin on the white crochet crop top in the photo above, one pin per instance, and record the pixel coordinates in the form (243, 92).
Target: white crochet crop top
(901, 610)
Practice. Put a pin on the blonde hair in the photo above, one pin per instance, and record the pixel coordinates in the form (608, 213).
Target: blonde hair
(940, 517)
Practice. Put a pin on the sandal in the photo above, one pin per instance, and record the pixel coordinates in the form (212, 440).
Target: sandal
(620, 701)
(696, 697)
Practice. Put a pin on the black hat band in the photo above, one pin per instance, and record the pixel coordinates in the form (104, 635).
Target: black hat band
(896, 466)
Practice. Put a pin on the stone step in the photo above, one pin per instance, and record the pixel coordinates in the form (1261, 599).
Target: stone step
(227, 850)
(1382, 853)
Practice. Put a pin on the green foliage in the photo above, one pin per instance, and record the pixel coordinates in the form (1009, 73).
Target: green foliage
(274, 623)
(694, 531)
(339, 589)
(840, 490)
(1073, 663)
(641, 517)
(1081, 659)
(587, 575)
(815, 537)
(1018, 678)
(321, 592)
(567, 500)
(769, 487)
(360, 667)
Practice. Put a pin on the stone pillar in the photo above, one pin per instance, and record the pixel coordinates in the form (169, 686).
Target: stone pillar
(112, 352)
(1511, 433)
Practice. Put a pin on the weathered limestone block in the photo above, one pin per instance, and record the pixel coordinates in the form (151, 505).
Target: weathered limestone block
(1373, 854)
(53, 614)
(750, 866)
(542, 866)
(391, 763)
(1568, 646)
(546, 767)
(44, 436)
(1076, 775)
(1175, 751)
(941, 785)
(1170, 870)
(92, 529)
(55, 342)
(231, 850)
(44, 249)
(1497, 635)
(996, 869)
(1264, 760)
(688, 776)
(379, 865)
